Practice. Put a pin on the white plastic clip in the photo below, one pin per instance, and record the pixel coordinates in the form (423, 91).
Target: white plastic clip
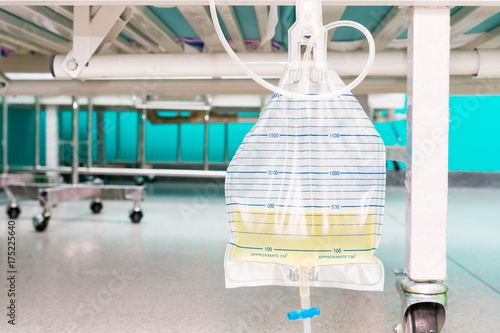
(308, 24)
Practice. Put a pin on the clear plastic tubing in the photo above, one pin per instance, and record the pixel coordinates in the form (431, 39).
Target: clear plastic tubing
(284, 92)
(305, 296)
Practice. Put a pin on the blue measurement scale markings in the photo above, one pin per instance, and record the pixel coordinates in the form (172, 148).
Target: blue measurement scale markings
(302, 157)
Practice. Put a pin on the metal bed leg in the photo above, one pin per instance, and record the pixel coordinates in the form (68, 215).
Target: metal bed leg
(37, 132)
(100, 138)
(74, 165)
(141, 146)
(206, 121)
(89, 133)
(421, 285)
(118, 137)
(5, 117)
(226, 141)
(179, 158)
(51, 138)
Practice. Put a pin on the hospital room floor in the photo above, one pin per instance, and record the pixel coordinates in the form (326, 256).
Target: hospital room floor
(101, 273)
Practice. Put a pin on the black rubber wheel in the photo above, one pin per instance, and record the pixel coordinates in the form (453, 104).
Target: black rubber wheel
(13, 212)
(96, 207)
(423, 318)
(136, 216)
(40, 222)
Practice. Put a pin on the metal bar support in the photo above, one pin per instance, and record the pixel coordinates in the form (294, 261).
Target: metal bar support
(206, 121)
(141, 146)
(5, 117)
(117, 136)
(226, 141)
(100, 138)
(37, 132)
(134, 172)
(89, 132)
(179, 126)
(74, 165)
(51, 136)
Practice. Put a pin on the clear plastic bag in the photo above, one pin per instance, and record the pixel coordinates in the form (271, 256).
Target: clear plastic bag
(305, 191)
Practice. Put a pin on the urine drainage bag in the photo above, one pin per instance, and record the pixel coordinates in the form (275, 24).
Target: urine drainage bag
(306, 190)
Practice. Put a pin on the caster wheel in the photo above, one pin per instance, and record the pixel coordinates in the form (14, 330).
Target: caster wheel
(151, 178)
(423, 318)
(139, 180)
(96, 207)
(13, 211)
(136, 216)
(41, 221)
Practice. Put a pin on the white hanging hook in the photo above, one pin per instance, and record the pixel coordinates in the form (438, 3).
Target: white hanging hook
(287, 93)
(308, 24)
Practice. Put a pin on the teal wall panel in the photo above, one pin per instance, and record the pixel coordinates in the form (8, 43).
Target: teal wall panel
(192, 140)
(161, 142)
(216, 138)
(21, 137)
(128, 136)
(474, 134)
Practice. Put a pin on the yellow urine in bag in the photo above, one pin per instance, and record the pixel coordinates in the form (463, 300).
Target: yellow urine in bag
(303, 239)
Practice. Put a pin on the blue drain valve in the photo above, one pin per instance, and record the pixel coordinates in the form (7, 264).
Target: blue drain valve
(303, 314)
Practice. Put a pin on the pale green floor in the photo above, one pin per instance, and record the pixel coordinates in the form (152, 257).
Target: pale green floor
(100, 273)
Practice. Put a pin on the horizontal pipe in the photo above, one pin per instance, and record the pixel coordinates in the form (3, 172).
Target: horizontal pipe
(134, 87)
(393, 153)
(488, 64)
(155, 172)
(21, 63)
(40, 64)
(460, 85)
(130, 172)
(197, 117)
(155, 66)
(429, 3)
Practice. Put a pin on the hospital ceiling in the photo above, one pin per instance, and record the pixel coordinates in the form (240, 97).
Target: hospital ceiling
(49, 29)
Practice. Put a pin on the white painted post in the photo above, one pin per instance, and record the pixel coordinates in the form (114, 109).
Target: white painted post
(427, 148)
